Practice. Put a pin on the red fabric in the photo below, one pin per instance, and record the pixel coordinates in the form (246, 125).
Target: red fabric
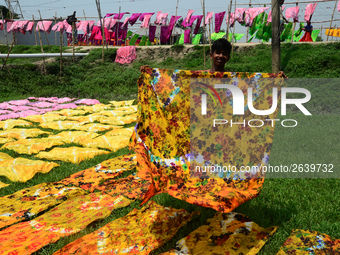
(306, 37)
(125, 55)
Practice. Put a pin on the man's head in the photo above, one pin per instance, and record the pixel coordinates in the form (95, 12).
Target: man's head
(220, 54)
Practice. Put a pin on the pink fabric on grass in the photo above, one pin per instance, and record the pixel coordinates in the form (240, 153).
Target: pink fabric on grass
(62, 100)
(208, 17)
(19, 102)
(126, 55)
(4, 111)
(293, 12)
(21, 108)
(310, 10)
(43, 104)
(9, 116)
(5, 106)
(87, 101)
(24, 114)
(65, 106)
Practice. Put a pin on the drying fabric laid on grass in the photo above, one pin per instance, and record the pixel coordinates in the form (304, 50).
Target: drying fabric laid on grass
(48, 117)
(32, 146)
(21, 133)
(61, 125)
(94, 108)
(121, 103)
(118, 112)
(2, 185)
(304, 242)
(125, 55)
(73, 136)
(9, 124)
(131, 187)
(6, 140)
(139, 232)
(112, 143)
(68, 218)
(86, 119)
(127, 132)
(72, 154)
(26, 203)
(93, 127)
(90, 179)
(71, 112)
(119, 120)
(4, 157)
(231, 233)
(23, 169)
(162, 138)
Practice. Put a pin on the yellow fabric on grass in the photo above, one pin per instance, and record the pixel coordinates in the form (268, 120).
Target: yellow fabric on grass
(4, 157)
(31, 146)
(45, 118)
(95, 108)
(66, 219)
(2, 185)
(230, 233)
(61, 125)
(117, 112)
(71, 154)
(112, 143)
(23, 169)
(6, 140)
(119, 120)
(73, 136)
(139, 232)
(91, 178)
(85, 119)
(11, 123)
(26, 203)
(122, 103)
(120, 132)
(21, 133)
(71, 112)
(94, 127)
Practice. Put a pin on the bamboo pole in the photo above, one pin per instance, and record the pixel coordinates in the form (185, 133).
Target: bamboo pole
(117, 28)
(42, 52)
(9, 51)
(233, 41)
(102, 25)
(204, 35)
(35, 32)
(55, 33)
(248, 27)
(44, 30)
(276, 47)
(3, 23)
(73, 46)
(172, 33)
(228, 22)
(11, 17)
(330, 25)
(87, 38)
(61, 54)
(297, 3)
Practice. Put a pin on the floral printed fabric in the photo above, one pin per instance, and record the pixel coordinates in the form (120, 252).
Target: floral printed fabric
(28, 237)
(162, 141)
(23, 169)
(306, 242)
(71, 154)
(26, 203)
(126, 55)
(90, 179)
(231, 233)
(139, 232)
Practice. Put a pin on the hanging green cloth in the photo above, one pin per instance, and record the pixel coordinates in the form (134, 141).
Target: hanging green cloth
(315, 34)
(196, 40)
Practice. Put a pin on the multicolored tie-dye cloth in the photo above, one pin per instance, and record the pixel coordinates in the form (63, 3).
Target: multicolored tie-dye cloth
(231, 233)
(162, 138)
(139, 232)
(66, 219)
(304, 242)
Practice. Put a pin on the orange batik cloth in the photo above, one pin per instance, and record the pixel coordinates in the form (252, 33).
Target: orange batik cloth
(66, 219)
(166, 144)
(230, 233)
(139, 232)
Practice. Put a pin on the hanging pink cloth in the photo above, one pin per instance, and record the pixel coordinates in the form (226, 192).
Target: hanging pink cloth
(134, 17)
(141, 17)
(9, 24)
(310, 10)
(251, 13)
(125, 22)
(239, 14)
(293, 12)
(59, 27)
(171, 26)
(146, 21)
(29, 27)
(44, 26)
(218, 21)
(189, 24)
(1, 25)
(232, 19)
(338, 6)
(109, 15)
(120, 15)
(208, 17)
(112, 25)
(198, 24)
(162, 19)
(125, 55)
(270, 15)
(187, 36)
(187, 19)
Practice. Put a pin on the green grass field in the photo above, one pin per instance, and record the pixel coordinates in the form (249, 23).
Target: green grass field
(303, 203)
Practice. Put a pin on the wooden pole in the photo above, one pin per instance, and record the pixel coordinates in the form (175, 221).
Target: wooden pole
(55, 33)
(172, 33)
(204, 35)
(44, 30)
(102, 25)
(61, 53)
(233, 41)
(35, 32)
(248, 27)
(276, 50)
(9, 51)
(42, 52)
(11, 17)
(73, 46)
(87, 37)
(297, 4)
(3, 23)
(228, 22)
(330, 25)
(117, 28)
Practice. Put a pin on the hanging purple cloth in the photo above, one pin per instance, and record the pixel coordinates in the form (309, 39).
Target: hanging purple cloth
(120, 15)
(146, 13)
(109, 15)
(152, 32)
(187, 36)
(134, 17)
(192, 19)
(164, 34)
(218, 21)
(172, 23)
(198, 24)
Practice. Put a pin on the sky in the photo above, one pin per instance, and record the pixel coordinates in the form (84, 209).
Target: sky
(63, 8)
